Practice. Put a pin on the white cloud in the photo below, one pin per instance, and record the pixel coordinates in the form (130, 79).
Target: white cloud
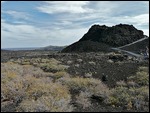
(137, 21)
(145, 2)
(141, 19)
(2, 20)
(146, 32)
(17, 14)
(37, 37)
(102, 12)
(62, 23)
(51, 7)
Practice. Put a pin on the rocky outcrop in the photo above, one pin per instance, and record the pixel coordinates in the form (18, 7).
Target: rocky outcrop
(98, 36)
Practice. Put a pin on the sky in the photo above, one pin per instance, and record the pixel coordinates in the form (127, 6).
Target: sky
(59, 23)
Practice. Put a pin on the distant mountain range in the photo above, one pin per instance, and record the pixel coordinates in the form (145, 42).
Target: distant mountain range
(47, 48)
(17, 49)
(52, 48)
(102, 38)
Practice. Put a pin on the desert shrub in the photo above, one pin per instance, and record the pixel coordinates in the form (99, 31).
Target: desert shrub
(48, 65)
(132, 84)
(133, 95)
(60, 74)
(83, 99)
(53, 67)
(32, 93)
(12, 89)
(13, 81)
(110, 61)
(92, 63)
(123, 96)
(88, 75)
(34, 71)
(86, 89)
(141, 77)
(79, 60)
(31, 106)
(47, 96)
(69, 62)
(90, 85)
(121, 83)
(45, 60)
(77, 65)
(77, 83)
(142, 68)
(11, 67)
(119, 96)
(45, 104)
(25, 63)
(8, 106)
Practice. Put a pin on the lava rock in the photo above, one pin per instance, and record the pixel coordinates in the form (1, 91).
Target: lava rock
(101, 38)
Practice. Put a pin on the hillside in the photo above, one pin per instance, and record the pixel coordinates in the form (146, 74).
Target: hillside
(114, 36)
(87, 46)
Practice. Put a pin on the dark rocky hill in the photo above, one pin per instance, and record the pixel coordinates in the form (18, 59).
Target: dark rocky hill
(87, 46)
(98, 35)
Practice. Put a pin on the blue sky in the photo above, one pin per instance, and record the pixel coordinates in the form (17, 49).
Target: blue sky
(43, 23)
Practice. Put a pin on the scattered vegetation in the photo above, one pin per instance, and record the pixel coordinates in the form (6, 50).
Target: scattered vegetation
(46, 96)
(43, 85)
(48, 65)
(142, 77)
(133, 94)
(32, 93)
(85, 89)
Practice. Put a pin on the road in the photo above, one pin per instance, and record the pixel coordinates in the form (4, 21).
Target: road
(145, 37)
(129, 52)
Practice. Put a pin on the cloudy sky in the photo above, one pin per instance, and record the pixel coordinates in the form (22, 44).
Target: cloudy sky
(43, 23)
